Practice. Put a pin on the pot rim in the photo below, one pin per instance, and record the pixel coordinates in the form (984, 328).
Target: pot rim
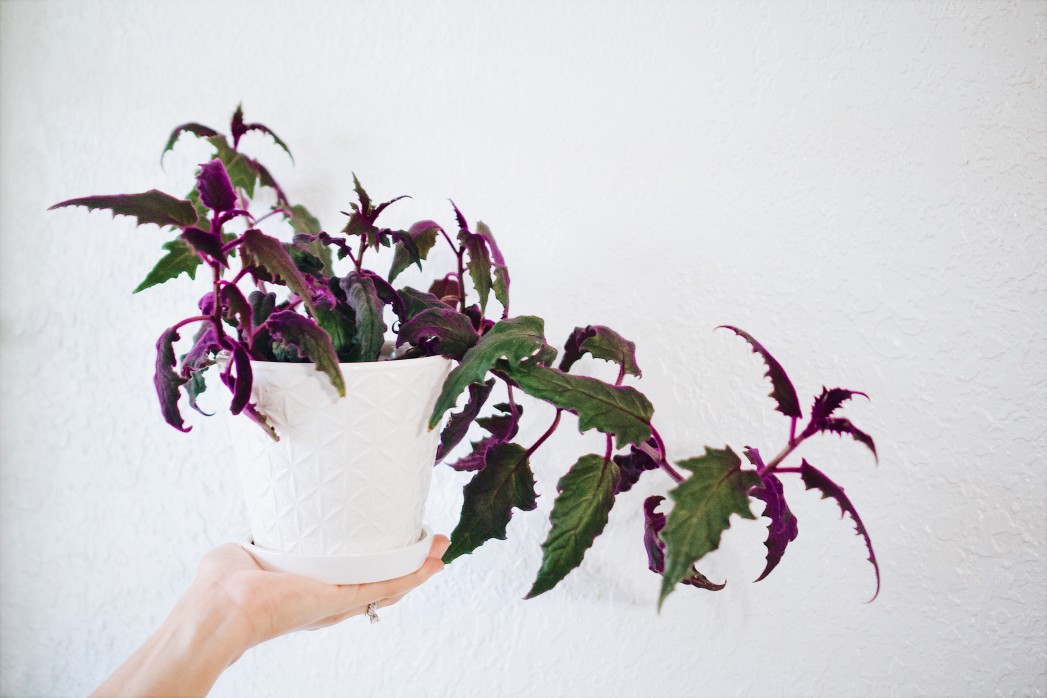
(419, 362)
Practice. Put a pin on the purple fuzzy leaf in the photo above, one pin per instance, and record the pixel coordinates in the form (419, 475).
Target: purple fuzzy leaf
(206, 244)
(310, 341)
(602, 343)
(459, 422)
(782, 388)
(446, 290)
(166, 381)
(267, 259)
(782, 529)
(654, 522)
(815, 479)
(198, 130)
(236, 308)
(362, 296)
(830, 400)
(451, 332)
(839, 425)
(477, 458)
(459, 218)
(216, 190)
(502, 427)
(416, 301)
(199, 357)
(388, 294)
(153, 206)
(238, 377)
(238, 128)
(633, 465)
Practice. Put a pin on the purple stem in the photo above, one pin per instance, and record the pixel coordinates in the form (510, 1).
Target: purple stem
(657, 458)
(546, 435)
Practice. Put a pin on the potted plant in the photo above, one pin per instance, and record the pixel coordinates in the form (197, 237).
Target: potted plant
(309, 338)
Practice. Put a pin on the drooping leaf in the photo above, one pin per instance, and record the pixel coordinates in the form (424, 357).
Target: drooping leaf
(451, 331)
(421, 238)
(602, 343)
(362, 296)
(478, 263)
(782, 529)
(205, 243)
(270, 262)
(477, 457)
(585, 497)
(167, 381)
(502, 427)
(194, 388)
(310, 341)
(238, 128)
(505, 483)
(153, 206)
(458, 424)
(839, 425)
(388, 295)
(180, 259)
(634, 464)
(216, 191)
(198, 130)
(238, 377)
(237, 310)
(653, 523)
(815, 479)
(782, 390)
(513, 340)
(620, 410)
(199, 357)
(252, 413)
(416, 301)
(703, 504)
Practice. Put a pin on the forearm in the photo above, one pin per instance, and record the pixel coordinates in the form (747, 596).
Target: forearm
(185, 656)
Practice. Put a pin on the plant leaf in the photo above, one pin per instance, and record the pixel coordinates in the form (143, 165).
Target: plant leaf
(310, 341)
(513, 340)
(338, 323)
(216, 191)
(166, 381)
(506, 482)
(238, 128)
(303, 222)
(205, 243)
(179, 259)
(423, 236)
(238, 311)
(602, 343)
(270, 262)
(477, 457)
(620, 410)
(654, 522)
(446, 289)
(703, 504)
(478, 264)
(830, 400)
(199, 357)
(240, 383)
(458, 425)
(839, 425)
(782, 529)
(416, 301)
(198, 130)
(450, 331)
(362, 296)
(194, 388)
(585, 497)
(782, 390)
(243, 172)
(815, 479)
(502, 427)
(153, 206)
(500, 286)
(252, 413)
(633, 465)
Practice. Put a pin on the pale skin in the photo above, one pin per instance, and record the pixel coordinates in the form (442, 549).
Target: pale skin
(233, 605)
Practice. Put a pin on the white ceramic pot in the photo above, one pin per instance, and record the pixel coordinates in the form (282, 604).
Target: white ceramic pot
(349, 476)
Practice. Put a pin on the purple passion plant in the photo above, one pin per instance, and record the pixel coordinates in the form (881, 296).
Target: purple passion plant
(298, 307)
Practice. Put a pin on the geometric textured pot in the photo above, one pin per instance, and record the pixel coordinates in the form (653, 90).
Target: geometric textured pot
(349, 476)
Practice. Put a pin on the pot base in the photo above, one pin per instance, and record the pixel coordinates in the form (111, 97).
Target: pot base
(346, 569)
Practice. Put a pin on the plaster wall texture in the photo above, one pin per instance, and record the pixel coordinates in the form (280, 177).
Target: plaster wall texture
(860, 185)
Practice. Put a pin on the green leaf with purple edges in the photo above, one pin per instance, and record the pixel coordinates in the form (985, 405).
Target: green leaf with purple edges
(505, 483)
(303, 222)
(242, 170)
(362, 296)
(193, 388)
(216, 191)
(310, 341)
(180, 259)
(198, 130)
(512, 340)
(339, 324)
(270, 262)
(422, 236)
(584, 498)
(167, 382)
(153, 207)
(205, 243)
(478, 263)
(782, 390)
(653, 523)
(782, 530)
(500, 284)
(815, 479)
(458, 425)
(416, 301)
(620, 410)
(450, 331)
(703, 504)
(602, 343)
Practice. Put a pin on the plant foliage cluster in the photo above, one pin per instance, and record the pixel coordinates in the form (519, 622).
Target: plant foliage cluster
(317, 298)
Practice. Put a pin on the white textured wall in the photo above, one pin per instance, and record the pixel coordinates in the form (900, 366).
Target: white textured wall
(860, 185)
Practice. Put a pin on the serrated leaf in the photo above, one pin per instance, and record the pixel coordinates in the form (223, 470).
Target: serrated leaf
(449, 331)
(180, 259)
(422, 235)
(458, 425)
(205, 243)
(830, 400)
(620, 410)
(585, 497)
(153, 207)
(238, 128)
(505, 483)
(362, 296)
(242, 171)
(310, 341)
(216, 191)
(703, 504)
(303, 222)
(782, 390)
(513, 340)
(653, 523)
(477, 457)
(839, 425)
(478, 264)
(602, 343)
(633, 465)
(500, 285)
(815, 479)
(416, 301)
(198, 130)
(502, 427)
(782, 530)
(166, 381)
(272, 263)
